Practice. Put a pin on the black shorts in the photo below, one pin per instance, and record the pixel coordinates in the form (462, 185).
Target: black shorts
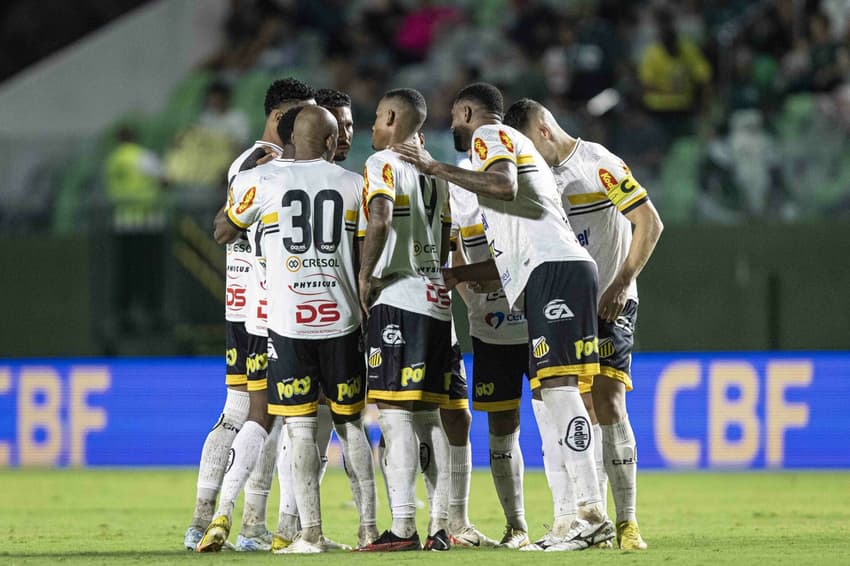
(458, 392)
(408, 356)
(616, 341)
(236, 354)
(560, 306)
(299, 368)
(257, 362)
(497, 371)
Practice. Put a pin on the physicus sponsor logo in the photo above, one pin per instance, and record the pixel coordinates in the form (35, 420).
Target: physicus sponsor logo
(480, 148)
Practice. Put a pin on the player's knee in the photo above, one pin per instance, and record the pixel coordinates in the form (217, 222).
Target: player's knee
(456, 423)
(587, 398)
(302, 428)
(502, 423)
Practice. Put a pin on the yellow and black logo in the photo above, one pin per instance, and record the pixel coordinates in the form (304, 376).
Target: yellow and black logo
(540, 347)
(292, 388)
(349, 390)
(484, 389)
(412, 375)
(606, 348)
(375, 358)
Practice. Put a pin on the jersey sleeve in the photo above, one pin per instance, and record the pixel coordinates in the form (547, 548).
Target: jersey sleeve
(380, 178)
(489, 145)
(621, 188)
(362, 209)
(244, 203)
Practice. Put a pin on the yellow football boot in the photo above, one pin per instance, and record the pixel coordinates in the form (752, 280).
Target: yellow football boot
(215, 536)
(279, 544)
(628, 536)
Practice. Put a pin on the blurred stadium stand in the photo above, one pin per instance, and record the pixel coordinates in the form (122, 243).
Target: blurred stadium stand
(749, 165)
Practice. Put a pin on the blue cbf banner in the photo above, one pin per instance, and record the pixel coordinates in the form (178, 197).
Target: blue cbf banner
(688, 411)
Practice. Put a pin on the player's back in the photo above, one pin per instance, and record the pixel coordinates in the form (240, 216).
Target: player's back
(410, 264)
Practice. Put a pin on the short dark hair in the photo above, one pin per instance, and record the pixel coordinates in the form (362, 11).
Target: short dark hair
(332, 98)
(287, 124)
(284, 90)
(485, 94)
(519, 114)
(414, 99)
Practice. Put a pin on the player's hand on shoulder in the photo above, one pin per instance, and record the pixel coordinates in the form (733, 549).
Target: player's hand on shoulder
(270, 155)
(416, 154)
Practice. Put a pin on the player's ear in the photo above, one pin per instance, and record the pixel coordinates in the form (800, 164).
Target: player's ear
(390, 117)
(545, 132)
(467, 114)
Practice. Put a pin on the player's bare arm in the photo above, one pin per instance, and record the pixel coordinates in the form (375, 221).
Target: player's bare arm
(224, 230)
(380, 219)
(499, 181)
(647, 231)
(483, 271)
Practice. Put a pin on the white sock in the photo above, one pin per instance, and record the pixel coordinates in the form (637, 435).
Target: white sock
(305, 469)
(401, 458)
(382, 462)
(433, 459)
(360, 468)
(287, 525)
(563, 497)
(323, 436)
(507, 467)
(601, 475)
(572, 426)
(460, 470)
(259, 484)
(621, 463)
(243, 457)
(214, 455)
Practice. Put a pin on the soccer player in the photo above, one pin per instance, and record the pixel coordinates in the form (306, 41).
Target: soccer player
(534, 252)
(339, 104)
(281, 96)
(500, 348)
(309, 211)
(603, 201)
(409, 317)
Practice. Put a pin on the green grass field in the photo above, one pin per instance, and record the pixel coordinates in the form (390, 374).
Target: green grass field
(138, 516)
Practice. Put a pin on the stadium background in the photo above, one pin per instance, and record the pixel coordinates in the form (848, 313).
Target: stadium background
(112, 327)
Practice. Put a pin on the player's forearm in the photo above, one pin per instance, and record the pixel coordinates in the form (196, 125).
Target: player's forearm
(644, 238)
(373, 247)
(488, 183)
(223, 231)
(481, 271)
(445, 244)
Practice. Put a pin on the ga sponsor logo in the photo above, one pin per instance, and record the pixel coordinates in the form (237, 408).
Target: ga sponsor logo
(292, 387)
(317, 313)
(230, 356)
(247, 200)
(506, 141)
(484, 389)
(539, 347)
(606, 348)
(494, 319)
(391, 335)
(412, 374)
(608, 180)
(578, 434)
(556, 310)
(349, 390)
(387, 175)
(480, 148)
(375, 358)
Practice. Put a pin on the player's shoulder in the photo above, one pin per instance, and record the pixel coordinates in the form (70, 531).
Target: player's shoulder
(385, 156)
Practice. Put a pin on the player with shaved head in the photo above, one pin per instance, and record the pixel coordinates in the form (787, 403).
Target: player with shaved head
(309, 211)
(409, 318)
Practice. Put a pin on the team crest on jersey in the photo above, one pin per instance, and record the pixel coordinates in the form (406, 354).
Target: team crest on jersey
(608, 179)
(606, 348)
(480, 148)
(375, 358)
(540, 347)
(506, 141)
(387, 175)
(247, 200)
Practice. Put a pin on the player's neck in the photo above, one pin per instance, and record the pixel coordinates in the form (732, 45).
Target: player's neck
(565, 146)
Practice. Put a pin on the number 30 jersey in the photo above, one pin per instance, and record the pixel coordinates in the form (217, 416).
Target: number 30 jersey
(309, 212)
(410, 263)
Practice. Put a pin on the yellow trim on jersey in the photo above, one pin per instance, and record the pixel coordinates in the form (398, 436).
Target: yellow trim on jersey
(496, 158)
(494, 406)
(258, 384)
(361, 234)
(347, 409)
(580, 370)
(402, 200)
(270, 218)
(294, 410)
(375, 192)
(470, 231)
(587, 198)
(235, 220)
(455, 404)
(616, 374)
(417, 395)
(525, 159)
(585, 384)
(350, 215)
(235, 379)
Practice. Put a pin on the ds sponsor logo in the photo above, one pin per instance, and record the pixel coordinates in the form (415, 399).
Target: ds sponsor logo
(391, 335)
(539, 347)
(578, 434)
(319, 312)
(235, 297)
(556, 310)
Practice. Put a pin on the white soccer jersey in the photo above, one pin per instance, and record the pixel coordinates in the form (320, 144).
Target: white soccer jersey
(531, 229)
(597, 189)
(491, 318)
(240, 254)
(309, 212)
(410, 262)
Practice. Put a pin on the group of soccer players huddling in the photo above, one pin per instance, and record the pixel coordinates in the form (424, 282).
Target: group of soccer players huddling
(339, 294)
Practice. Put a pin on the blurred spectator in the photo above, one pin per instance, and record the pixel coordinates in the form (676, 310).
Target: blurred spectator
(219, 116)
(132, 178)
(419, 28)
(674, 75)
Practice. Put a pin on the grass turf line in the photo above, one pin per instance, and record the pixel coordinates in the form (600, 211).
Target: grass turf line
(139, 516)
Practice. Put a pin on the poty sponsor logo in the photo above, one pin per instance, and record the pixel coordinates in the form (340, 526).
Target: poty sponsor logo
(557, 309)
(391, 335)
